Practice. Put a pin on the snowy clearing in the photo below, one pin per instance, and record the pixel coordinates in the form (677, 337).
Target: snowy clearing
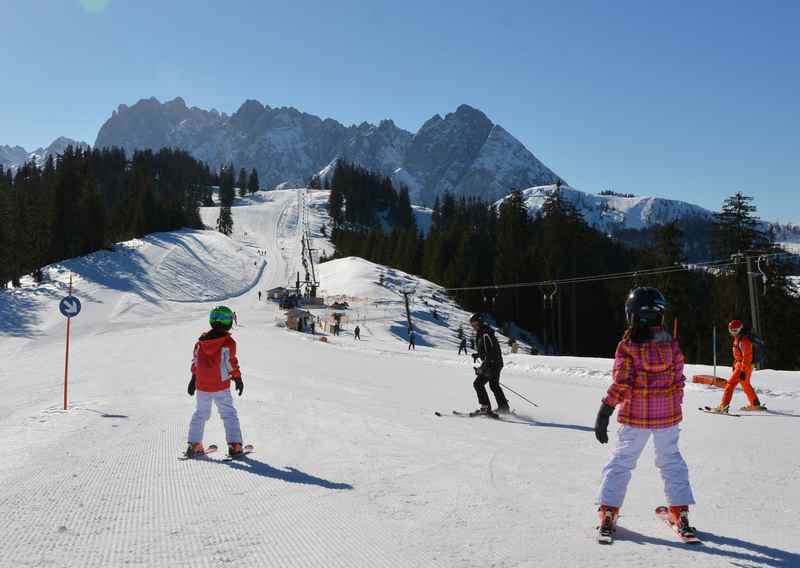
(351, 467)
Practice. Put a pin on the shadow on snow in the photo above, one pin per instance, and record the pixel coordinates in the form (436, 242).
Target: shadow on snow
(289, 475)
(735, 548)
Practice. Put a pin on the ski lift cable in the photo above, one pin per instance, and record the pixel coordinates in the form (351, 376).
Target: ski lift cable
(720, 263)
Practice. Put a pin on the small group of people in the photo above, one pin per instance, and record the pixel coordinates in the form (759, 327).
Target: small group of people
(648, 386)
(261, 252)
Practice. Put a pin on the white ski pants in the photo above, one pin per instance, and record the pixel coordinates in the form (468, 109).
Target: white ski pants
(630, 443)
(227, 412)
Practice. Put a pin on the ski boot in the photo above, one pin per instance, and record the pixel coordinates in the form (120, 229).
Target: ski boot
(754, 406)
(679, 516)
(194, 449)
(484, 410)
(503, 409)
(235, 449)
(721, 409)
(608, 524)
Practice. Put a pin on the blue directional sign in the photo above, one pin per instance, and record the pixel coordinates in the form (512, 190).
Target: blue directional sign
(69, 306)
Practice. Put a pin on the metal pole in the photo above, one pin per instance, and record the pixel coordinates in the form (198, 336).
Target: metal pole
(714, 335)
(753, 307)
(408, 313)
(66, 351)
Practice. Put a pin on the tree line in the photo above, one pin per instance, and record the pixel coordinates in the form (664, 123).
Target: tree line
(87, 199)
(475, 244)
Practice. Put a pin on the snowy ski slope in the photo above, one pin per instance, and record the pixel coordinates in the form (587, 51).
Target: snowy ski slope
(352, 468)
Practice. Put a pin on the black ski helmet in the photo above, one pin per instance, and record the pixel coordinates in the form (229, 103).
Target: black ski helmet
(646, 305)
(476, 317)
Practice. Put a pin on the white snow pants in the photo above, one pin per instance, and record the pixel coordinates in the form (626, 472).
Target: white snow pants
(630, 443)
(227, 412)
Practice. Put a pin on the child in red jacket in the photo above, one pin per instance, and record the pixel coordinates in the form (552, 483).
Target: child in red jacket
(648, 387)
(214, 365)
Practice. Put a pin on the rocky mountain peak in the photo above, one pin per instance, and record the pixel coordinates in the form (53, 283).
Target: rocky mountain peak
(464, 152)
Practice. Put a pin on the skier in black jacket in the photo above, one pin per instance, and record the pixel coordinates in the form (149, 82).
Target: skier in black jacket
(491, 364)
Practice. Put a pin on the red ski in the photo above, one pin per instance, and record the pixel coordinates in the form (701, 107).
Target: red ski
(687, 535)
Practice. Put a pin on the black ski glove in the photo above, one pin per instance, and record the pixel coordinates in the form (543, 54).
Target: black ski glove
(475, 357)
(239, 385)
(192, 387)
(601, 424)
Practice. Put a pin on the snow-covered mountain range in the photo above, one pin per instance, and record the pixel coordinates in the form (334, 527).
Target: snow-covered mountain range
(610, 213)
(464, 152)
(12, 157)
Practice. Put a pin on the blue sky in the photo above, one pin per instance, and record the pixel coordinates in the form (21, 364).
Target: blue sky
(691, 100)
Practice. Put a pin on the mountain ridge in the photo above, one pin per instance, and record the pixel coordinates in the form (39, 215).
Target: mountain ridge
(455, 153)
(14, 157)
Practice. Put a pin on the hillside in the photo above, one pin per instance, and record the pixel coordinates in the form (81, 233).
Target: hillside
(609, 213)
(352, 468)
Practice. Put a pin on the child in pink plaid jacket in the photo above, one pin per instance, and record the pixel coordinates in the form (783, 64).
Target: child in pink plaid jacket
(648, 388)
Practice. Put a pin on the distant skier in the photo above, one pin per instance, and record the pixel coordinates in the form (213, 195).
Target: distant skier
(742, 369)
(214, 366)
(462, 346)
(259, 295)
(491, 364)
(412, 342)
(648, 386)
(357, 333)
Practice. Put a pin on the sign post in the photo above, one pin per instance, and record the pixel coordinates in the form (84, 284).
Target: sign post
(69, 308)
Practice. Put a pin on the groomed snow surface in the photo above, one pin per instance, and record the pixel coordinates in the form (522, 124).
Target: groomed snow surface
(352, 468)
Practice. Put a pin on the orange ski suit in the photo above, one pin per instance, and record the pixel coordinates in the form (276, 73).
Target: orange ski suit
(742, 370)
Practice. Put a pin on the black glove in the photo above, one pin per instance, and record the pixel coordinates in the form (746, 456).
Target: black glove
(192, 387)
(239, 385)
(742, 376)
(601, 424)
(475, 357)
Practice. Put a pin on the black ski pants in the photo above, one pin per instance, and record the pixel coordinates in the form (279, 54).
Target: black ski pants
(491, 376)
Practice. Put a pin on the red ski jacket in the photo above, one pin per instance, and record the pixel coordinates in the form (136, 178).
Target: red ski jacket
(214, 363)
(742, 353)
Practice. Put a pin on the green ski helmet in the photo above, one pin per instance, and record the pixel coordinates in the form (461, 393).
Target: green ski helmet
(221, 317)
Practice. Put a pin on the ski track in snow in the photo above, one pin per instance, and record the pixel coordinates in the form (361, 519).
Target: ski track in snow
(351, 468)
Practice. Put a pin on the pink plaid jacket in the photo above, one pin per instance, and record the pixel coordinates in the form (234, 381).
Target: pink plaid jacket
(648, 382)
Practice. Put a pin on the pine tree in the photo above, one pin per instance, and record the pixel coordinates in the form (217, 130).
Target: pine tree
(225, 221)
(241, 182)
(226, 186)
(336, 206)
(736, 227)
(512, 234)
(252, 182)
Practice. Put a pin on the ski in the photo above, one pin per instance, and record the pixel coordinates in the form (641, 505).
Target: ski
(687, 537)
(248, 449)
(709, 410)
(209, 450)
(475, 414)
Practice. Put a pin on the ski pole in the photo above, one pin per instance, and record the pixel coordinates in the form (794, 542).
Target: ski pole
(519, 395)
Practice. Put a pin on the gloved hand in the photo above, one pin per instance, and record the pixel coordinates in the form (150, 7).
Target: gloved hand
(601, 423)
(239, 385)
(475, 357)
(742, 376)
(192, 387)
